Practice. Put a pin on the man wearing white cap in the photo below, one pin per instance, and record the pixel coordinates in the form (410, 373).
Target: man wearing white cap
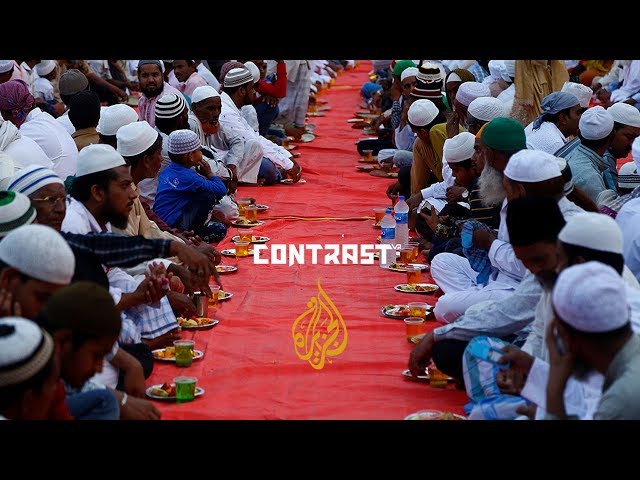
(153, 87)
(561, 112)
(15, 211)
(610, 202)
(42, 87)
(467, 93)
(626, 128)
(238, 91)
(23, 150)
(585, 160)
(507, 96)
(7, 68)
(103, 196)
(234, 157)
(188, 78)
(111, 119)
(591, 331)
(581, 92)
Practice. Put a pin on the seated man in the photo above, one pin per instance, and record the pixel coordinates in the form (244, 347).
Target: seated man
(185, 198)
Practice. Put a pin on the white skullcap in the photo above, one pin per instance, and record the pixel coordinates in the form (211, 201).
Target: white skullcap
(635, 151)
(25, 349)
(170, 105)
(469, 91)
(486, 108)
(510, 69)
(15, 210)
(628, 168)
(98, 158)
(236, 77)
(39, 252)
(45, 67)
(581, 92)
(454, 77)
(495, 68)
(460, 147)
(183, 141)
(202, 93)
(422, 112)
(255, 71)
(33, 178)
(625, 114)
(591, 297)
(114, 117)
(595, 231)
(532, 166)
(595, 123)
(408, 72)
(6, 65)
(135, 138)
(628, 176)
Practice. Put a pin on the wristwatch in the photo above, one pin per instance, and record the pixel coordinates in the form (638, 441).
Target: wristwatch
(465, 194)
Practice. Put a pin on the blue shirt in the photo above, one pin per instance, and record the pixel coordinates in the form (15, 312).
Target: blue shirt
(179, 187)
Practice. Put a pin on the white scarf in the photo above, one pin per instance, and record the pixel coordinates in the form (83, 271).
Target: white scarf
(8, 133)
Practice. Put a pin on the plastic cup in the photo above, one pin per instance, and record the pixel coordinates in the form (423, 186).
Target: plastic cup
(413, 274)
(242, 205)
(213, 301)
(405, 254)
(251, 213)
(184, 352)
(367, 155)
(415, 250)
(246, 235)
(185, 389)
(437, 379)
(418, 309)
(242, 249)
(415, 326)
(379, 212)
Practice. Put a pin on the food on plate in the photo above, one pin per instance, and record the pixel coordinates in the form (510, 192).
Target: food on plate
(194, 321)
(396, 310)
(418, 287)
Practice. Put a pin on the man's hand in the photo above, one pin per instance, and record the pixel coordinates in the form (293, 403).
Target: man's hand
(420, 356)
(393, 190)
(204, 169)
(181, 304)
(8, 306)
(197, 262)
(133, 373)
(453, 125)
(270, 101)
(560, 367)
(432, 220)
(414, 200)
(164, 340)
(184, 275)
(518, 359)
(510, 381)
(233, 181)
(454, 193)
(483, 239)
(139, 409)
(294, 172)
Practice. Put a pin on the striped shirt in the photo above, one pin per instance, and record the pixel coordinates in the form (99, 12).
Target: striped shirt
(490, 216)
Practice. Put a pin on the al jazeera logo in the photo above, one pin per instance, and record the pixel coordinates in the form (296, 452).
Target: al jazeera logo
(320, 332)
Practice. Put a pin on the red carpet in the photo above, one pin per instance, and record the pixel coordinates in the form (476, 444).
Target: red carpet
(252, 368)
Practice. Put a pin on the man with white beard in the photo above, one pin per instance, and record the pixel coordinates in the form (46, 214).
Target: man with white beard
(501, 138)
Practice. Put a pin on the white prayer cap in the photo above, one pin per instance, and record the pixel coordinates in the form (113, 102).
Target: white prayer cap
(135, 138)
(486, 108)
(15, 210)
(25, 349)
(460, 147)
(236, 77)
(98, 158)
(532, 166)
(114, 117)
(39, 252)
(581, 92)
(183, 141)
(422, 112)
(495, 68)
(202, 93)
(628, 176)
(454, 77)
(591, 297)
(45, 67)
(6, 65)
(595, 231)
(595, 123)
(408, 72)
(33, 178)
(469, 91)
(510, 68)
(170, 105)
(625, 114)
(255, 71)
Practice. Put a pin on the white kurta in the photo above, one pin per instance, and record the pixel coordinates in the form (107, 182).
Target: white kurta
(23, 150)
(54, 140)
(628, 219)
(547, 137)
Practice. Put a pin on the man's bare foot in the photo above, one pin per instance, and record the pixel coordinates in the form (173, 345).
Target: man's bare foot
(295, 132)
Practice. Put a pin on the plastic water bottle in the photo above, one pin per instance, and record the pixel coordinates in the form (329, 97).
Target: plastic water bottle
(402, 221)
(388, 226)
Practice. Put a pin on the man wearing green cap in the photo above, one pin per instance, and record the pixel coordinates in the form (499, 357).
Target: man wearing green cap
(501, 138)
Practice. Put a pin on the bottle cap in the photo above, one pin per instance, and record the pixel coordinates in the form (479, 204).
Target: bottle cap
(389, 210)
(401, 197)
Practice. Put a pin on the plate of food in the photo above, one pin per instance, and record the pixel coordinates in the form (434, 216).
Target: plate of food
(402, 267)
(416, 287)
(169, 354)
(307, 137)
(355, 120)
(261, 207)
(254, 239)
(291, 147)
(365, 168)
(289, 181)
(421, 378)
(231, 252)
(222, 295)
(434, 415)
(395, 310)
(197, 323)
(226, 268)
(244, 223)
(167, 391)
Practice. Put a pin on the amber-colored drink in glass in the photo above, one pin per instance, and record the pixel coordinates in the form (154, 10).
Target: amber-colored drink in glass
(213, 301)
(246, 235)
(415, 326)
(437, 379)
(242, 205)
(379, 212)
(242, 249)
(251, 213)
(415, 251)
(418, 309)
(413, 274)
(405, 254)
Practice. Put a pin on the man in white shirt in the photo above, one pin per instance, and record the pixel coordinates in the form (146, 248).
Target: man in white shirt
(22, 149)
(277, 162)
